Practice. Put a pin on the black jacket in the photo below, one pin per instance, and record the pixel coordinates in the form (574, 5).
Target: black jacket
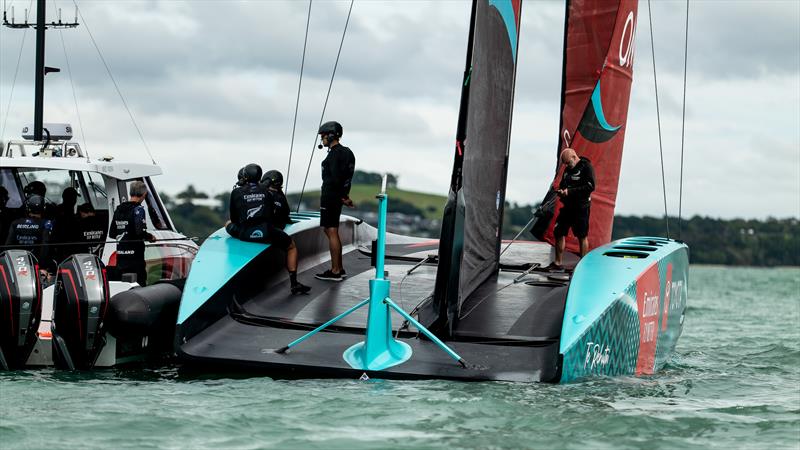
(280, 209)
(579, 182)
(33, 235)
(129, 225)
(337, 172)
(247, 206)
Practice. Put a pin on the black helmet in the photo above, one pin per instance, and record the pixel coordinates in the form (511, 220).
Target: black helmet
(273, 178)
(252, 173)
(35, 188)
(34, 204)
(331, 128)
(240, 177)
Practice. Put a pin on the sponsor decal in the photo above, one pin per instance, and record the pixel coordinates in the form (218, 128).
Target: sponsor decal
(596, 356)
(256, 234)
(253, 211)
(648, 296)
(89, 271)
(22, 267)
(667, 296)
(627, 43)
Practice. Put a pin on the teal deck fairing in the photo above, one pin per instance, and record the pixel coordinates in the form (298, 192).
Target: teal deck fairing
(221, 257)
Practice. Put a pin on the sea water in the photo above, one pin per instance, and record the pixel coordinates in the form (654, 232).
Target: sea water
(734, 382)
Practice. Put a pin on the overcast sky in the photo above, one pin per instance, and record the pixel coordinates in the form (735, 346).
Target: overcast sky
(212, 85)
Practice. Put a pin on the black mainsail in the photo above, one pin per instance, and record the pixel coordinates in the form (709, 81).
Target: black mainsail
(472, 222)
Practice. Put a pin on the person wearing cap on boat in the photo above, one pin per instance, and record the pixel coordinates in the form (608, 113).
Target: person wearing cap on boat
(251, 219)
(575, 191)
(337, 174)
(34, 233)
(129, 225)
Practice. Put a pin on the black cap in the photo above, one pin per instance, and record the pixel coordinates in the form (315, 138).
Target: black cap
(252, 173)
(273, 178)
(332, 127)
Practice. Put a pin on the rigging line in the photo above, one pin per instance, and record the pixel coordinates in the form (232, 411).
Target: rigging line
(683, 116)
(325, 105)
(114, 81)
(72, 84)
(14, 80)
(297, 102)
(658, 115)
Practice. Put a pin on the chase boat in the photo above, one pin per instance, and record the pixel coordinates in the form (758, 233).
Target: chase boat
(83, 319)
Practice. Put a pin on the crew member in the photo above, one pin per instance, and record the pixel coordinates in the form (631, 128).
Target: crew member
(251, 219)
(337, 173)
(33, 233)
(66, 224)
(128, 224)
(575, 189)
(91, 229)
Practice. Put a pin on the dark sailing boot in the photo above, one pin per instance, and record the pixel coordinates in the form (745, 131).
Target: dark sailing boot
(299, 288)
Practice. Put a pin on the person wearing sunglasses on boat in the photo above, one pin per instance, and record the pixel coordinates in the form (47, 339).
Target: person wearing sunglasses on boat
(251, 219)
(337, 174)
(575, 191)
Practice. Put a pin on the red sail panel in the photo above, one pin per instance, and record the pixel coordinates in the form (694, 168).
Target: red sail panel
(598, 72)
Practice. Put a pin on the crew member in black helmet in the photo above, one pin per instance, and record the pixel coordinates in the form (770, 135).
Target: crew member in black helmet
(337, 174)
(34, 233)
(575, 191)
(240, 180)
(129, 225)
(251, 216)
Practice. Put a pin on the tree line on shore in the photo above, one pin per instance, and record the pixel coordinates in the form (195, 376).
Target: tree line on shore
(770, 242)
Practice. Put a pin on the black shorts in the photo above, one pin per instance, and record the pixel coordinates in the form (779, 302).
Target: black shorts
(330, 209)
(575, 217)
(263, 233)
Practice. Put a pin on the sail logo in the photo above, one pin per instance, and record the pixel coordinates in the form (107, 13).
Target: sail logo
(627, 44)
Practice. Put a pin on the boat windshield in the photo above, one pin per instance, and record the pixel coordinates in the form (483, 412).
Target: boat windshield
(52, 183)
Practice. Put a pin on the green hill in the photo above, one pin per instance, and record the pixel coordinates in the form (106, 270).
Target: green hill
(429, 206)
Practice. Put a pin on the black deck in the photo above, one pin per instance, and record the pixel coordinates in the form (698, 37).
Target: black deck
(507, 331)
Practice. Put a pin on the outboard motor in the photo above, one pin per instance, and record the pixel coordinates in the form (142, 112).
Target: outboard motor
(80, 305)
(20, 307)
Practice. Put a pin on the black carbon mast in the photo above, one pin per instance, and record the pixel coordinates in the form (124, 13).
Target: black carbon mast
(435, 314)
